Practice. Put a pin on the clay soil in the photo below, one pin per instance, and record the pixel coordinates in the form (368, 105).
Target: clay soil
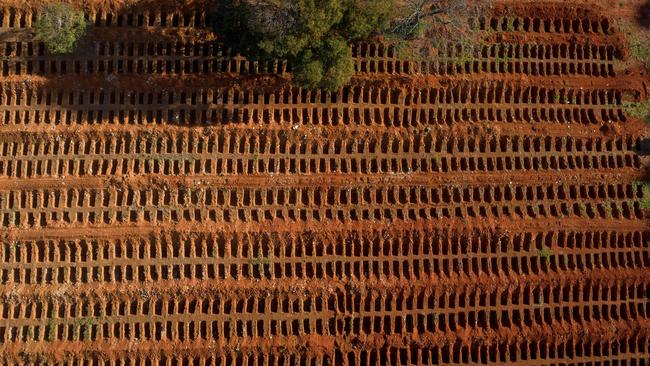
(163, 201)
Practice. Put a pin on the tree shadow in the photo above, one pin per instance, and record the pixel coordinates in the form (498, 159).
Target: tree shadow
(644, 147)
(99, 80)
(227, 19)
(643, 15)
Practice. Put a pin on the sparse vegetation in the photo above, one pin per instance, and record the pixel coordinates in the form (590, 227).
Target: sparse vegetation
(583, 209)
(421, 26)
(639, 48)
(51, 330)
(607, 207)
(511, 25)
(546, 254)
(81, 327)
(644, 202)
(260, 261)
(60, 27)
(639, 110)
(414, 20)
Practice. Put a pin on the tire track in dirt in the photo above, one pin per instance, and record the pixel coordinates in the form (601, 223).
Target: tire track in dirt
(17, 293)
(629, 80)
(512, 225)
(619, 176)
(633, 128)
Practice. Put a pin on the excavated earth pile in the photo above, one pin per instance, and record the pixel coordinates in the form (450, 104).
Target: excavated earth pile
(163, 201)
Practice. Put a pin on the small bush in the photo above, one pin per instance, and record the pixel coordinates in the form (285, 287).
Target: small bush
(546, 253)
(60, 26)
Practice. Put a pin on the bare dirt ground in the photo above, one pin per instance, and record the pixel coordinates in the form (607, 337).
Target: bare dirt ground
(163, 201)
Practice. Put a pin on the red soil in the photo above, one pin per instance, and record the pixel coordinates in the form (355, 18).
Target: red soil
(166, 202)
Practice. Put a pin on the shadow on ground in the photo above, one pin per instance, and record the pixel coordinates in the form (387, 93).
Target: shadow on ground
(643, 16)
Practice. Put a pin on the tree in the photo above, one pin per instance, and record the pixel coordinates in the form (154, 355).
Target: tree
(309, 23)
(313, 35)
(422, 26)
(365, 17)
(60, 26)
(337, 57)
(417, 13)
(309, 74)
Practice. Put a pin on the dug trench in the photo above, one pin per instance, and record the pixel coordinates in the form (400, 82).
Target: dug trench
(164, 201)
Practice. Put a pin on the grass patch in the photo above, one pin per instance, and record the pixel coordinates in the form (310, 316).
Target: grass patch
(546, 254)
(260, 261)
(50, 330)
(607, 207)
(639, 110)
(644, 201)
(583, 210)
(639, 47)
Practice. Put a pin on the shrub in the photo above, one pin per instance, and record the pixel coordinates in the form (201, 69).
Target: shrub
(546, 253)
(60, 26)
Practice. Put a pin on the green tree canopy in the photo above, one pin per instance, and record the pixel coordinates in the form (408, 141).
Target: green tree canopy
(313, 35)
(365, 17)
(60, 26)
